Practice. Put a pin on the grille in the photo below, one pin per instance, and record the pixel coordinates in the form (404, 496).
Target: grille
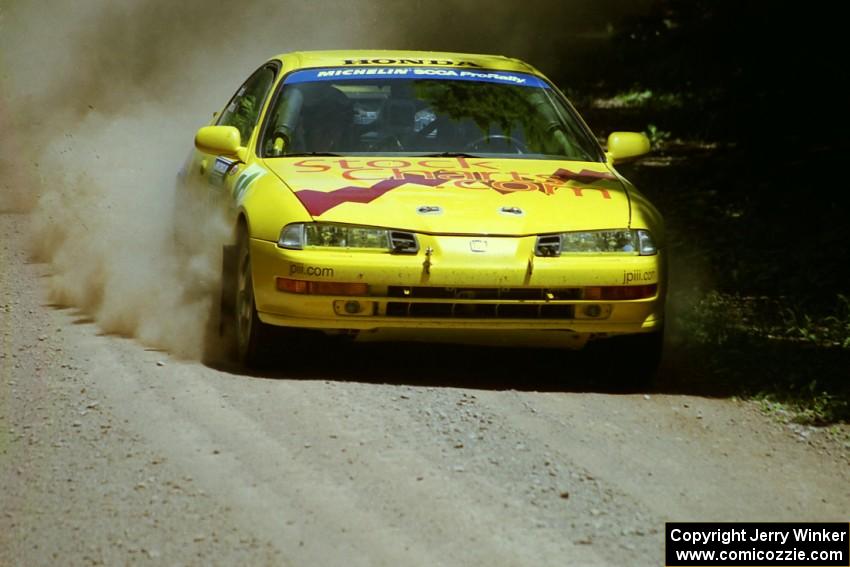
(486, 293)
(479, 310)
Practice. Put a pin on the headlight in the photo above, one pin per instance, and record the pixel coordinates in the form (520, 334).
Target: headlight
(629, 242)
(299, 236)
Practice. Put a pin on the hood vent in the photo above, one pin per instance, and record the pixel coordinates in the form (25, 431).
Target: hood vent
(548, 245)
(403, 242)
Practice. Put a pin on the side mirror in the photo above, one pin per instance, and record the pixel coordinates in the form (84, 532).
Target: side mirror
(623, 146)
(218, 140)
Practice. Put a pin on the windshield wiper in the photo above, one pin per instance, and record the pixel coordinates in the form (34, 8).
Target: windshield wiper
(451, 154)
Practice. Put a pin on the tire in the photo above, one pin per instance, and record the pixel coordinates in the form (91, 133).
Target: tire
(252, 339)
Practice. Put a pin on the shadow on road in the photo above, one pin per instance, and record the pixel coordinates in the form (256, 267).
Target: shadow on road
(429, 364)
(788, 373)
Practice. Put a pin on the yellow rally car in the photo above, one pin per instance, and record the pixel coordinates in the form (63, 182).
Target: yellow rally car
(419, 195)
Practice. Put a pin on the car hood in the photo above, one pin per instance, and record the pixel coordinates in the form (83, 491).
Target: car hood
(457, 195)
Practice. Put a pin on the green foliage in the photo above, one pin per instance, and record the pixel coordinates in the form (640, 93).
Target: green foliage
(830, 331)
(717, 318)
(805, 407)
(711, 319)
(633, 98)
(656, 137)
(795, 363)
(639, 98)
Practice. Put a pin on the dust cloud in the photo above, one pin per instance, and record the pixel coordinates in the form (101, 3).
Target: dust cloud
(99, 106)
(100, 101)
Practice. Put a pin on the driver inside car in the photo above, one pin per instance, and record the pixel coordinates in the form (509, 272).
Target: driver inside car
(326, 123)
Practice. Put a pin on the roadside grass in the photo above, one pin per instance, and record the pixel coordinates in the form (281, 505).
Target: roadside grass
(717, 318)
(794, 364)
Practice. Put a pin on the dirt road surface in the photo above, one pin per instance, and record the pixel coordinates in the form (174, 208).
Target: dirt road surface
(111, 453)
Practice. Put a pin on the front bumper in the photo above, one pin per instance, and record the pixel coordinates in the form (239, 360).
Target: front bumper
(503, 288)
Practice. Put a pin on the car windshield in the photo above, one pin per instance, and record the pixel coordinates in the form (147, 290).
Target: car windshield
(423, 111)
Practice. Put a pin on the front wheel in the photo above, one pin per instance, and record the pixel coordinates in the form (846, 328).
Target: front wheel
(252, 337)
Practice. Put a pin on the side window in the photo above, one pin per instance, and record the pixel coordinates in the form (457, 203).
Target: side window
(244, 108)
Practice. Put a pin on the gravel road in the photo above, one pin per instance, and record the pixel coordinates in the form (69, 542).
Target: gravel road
(112, 453)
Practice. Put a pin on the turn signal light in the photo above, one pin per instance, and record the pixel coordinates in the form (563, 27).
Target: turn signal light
(620, 292)
(321, 288)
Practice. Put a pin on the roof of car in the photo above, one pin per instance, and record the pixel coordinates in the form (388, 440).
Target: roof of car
(365, 57)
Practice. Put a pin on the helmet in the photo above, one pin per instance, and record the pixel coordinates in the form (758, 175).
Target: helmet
(326, 101)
